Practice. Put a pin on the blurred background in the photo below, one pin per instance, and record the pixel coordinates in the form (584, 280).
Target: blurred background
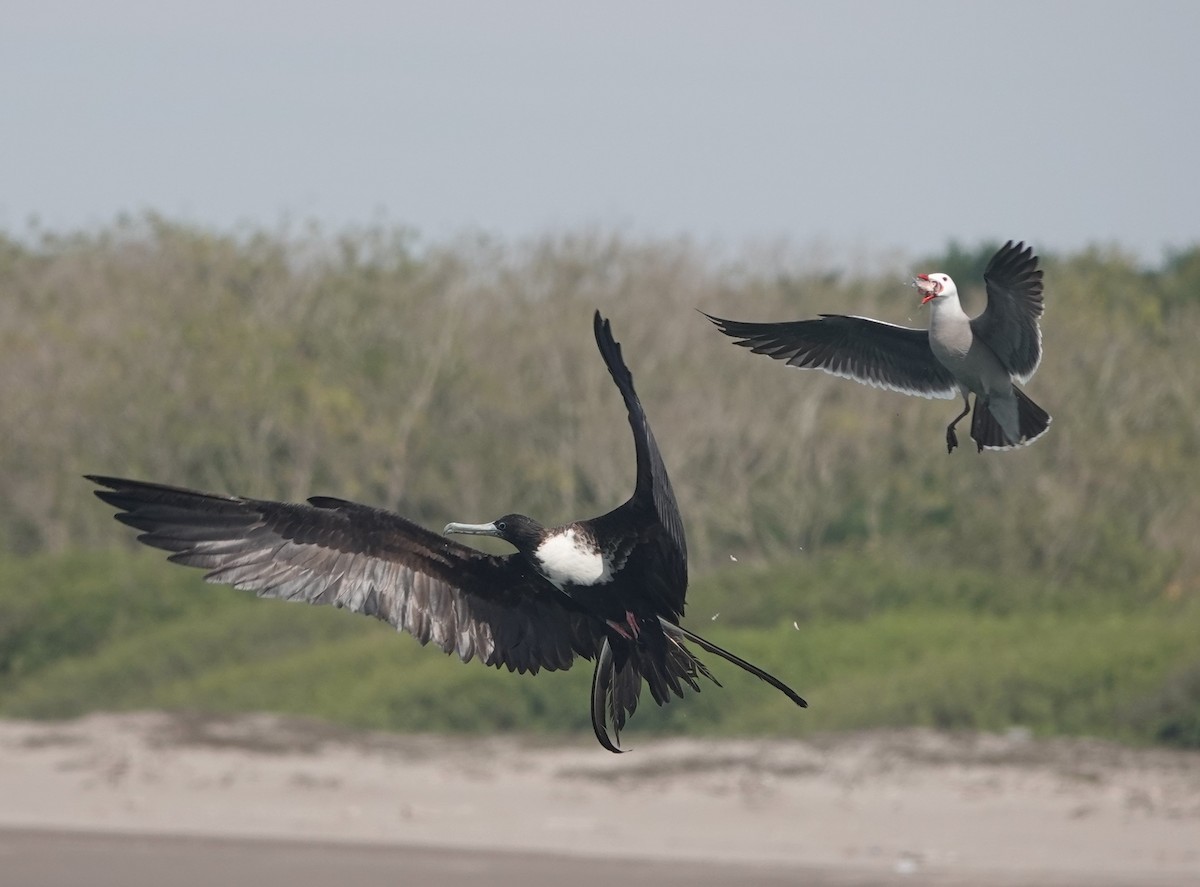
(353, 249)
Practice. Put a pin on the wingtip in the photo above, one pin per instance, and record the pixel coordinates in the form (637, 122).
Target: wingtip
(1013, 251)
(610, 350)
(602, 329)
(108, 487)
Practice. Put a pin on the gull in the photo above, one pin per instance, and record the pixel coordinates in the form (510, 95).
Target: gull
(984, 355)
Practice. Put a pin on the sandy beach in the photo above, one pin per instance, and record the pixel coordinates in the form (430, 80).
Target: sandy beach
(128, 797)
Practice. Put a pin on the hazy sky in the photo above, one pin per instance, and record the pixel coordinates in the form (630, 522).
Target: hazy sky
(872, 126)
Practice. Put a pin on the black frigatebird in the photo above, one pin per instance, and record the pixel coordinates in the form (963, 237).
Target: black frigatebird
(610, 589)
(958, 354)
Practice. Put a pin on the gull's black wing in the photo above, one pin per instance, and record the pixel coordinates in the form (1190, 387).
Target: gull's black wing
(869, 351)
(1009, 324)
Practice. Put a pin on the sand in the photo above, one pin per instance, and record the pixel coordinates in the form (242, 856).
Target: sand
(909, 806)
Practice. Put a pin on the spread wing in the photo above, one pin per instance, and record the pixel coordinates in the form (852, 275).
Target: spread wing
(869, 351)
(367, 560)
(664, 541)
(1009, 323)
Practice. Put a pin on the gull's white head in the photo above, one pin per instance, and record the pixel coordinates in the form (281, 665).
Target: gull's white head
(934, 286)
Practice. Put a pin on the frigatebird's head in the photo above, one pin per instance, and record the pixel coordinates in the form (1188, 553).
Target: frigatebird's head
(934, 286)
(521, 532)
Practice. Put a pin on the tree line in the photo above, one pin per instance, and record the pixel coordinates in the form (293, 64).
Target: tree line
(458, 380)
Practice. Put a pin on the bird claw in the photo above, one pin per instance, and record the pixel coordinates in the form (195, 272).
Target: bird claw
(951, 440)
(619, 629)
(632, 632)
(632, 622)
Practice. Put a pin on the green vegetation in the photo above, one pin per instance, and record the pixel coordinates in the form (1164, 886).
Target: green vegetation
(1056, 588)
(126, 631)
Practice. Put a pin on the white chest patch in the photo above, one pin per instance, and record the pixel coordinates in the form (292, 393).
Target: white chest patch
(566, 559)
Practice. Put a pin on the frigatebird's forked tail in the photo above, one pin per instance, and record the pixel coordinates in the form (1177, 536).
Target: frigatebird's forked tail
(621, 667)
(666, 665)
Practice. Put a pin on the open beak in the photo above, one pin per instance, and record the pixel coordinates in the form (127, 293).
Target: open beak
(928, 288)
(471, 529)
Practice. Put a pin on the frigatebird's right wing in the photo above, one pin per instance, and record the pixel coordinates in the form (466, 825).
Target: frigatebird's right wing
(371, 561)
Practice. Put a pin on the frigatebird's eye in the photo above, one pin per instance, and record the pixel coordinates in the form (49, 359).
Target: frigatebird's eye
(501, 526)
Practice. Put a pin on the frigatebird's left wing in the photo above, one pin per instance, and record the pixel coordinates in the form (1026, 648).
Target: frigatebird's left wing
(653, 485)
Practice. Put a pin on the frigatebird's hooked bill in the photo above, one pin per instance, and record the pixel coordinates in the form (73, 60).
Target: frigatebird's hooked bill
(610, 589)
(958, 354)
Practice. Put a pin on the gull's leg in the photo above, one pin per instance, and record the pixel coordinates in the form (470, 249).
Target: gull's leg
(951, 437)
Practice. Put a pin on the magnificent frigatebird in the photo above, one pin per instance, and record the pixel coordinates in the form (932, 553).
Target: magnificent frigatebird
(611, 588)
(958, 354)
